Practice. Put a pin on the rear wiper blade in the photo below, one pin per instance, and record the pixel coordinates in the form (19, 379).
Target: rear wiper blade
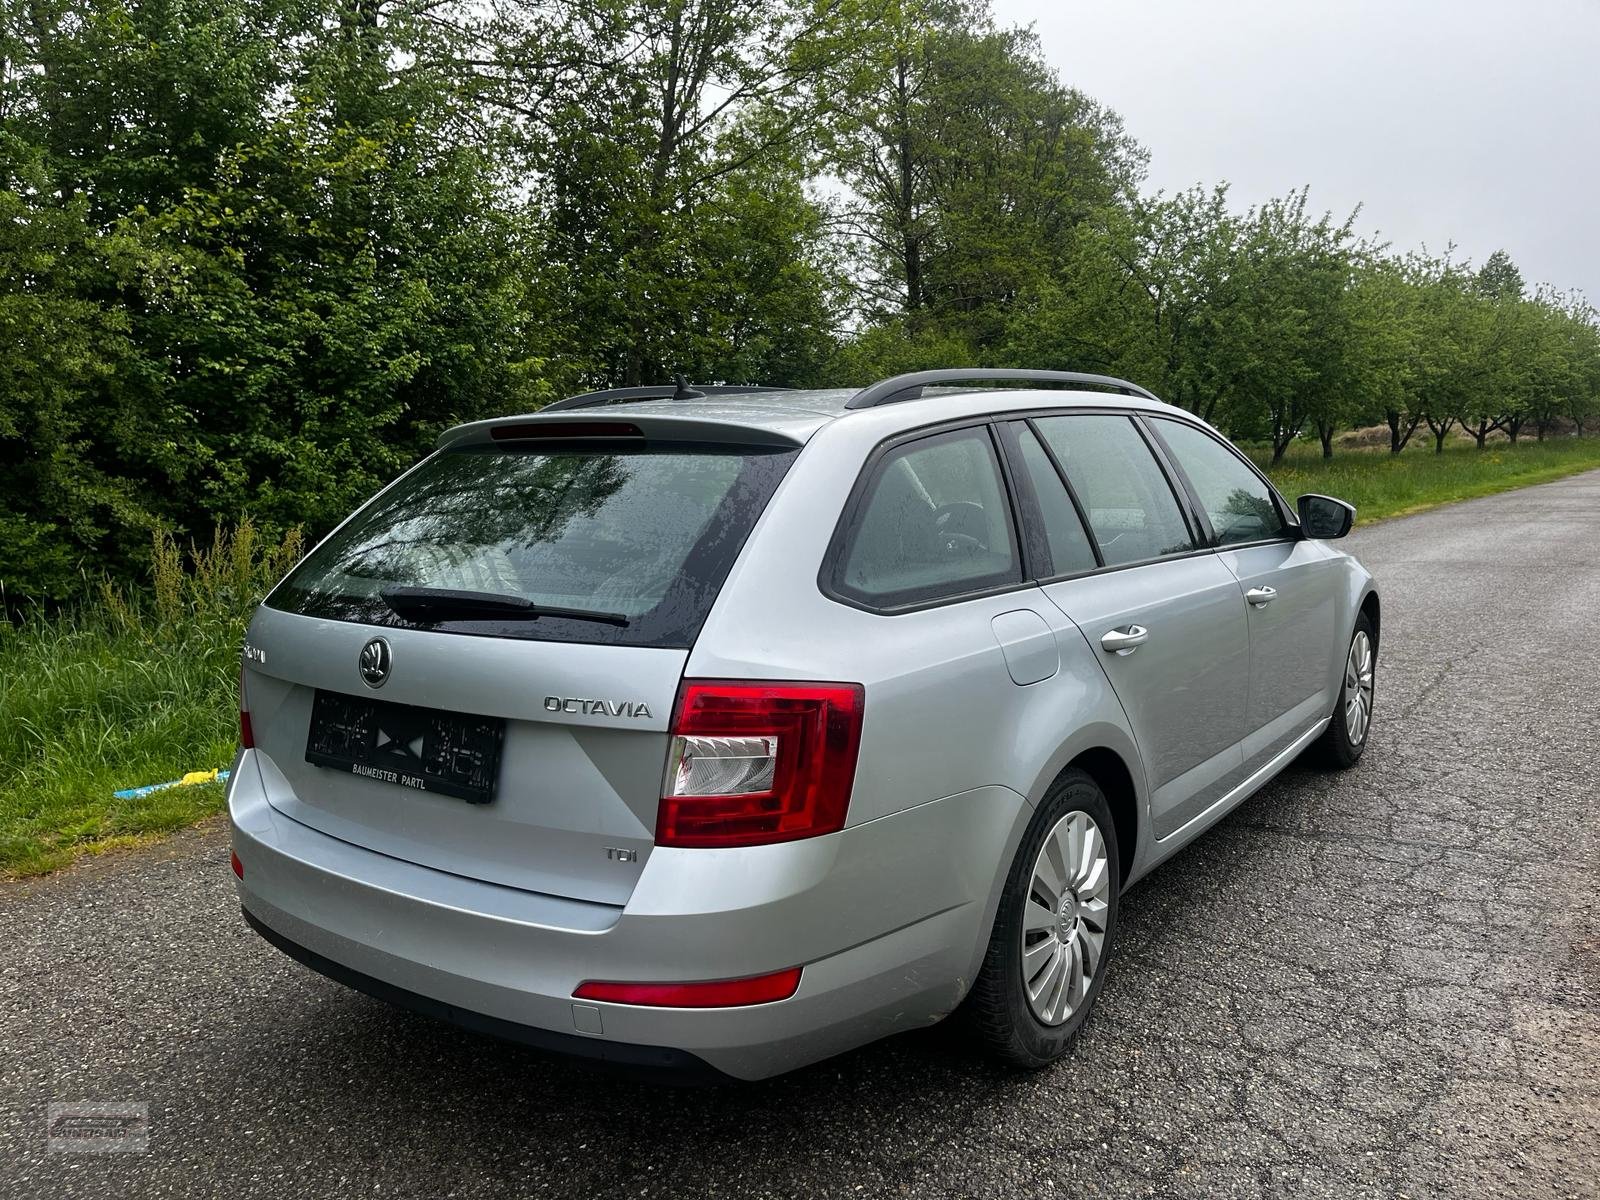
(448, 604)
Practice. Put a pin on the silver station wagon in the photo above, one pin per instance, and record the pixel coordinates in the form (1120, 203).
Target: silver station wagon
(720, 730)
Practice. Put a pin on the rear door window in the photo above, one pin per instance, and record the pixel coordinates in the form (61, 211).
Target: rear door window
(935, 524)
(642, 535)
(1130, 506)
(1071, 551)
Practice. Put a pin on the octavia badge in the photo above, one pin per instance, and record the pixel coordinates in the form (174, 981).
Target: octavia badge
(374, 663)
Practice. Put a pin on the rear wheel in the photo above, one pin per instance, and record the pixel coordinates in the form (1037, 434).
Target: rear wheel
(1346, 736)
(1052, 935)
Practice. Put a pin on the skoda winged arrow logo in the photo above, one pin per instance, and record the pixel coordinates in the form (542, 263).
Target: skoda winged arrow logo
(374, 663)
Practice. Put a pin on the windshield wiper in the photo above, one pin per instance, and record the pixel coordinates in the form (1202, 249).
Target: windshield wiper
(428, 604)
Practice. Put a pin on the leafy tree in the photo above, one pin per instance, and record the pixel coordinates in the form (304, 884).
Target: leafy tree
(667, 141)
(1386, 298)
(969, 168)
(1154, 287)
(110, 113)
(1498, 279)
(308, 273)
(255, 253)
(61, 410)
(1280, 343)
(1582, 345)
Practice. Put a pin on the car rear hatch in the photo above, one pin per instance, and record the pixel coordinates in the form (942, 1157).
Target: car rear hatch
(477, 671)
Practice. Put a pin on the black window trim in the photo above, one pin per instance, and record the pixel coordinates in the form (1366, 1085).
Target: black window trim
(860, 492)
(1291, 526)
(1024, 503)
(1194, 517)
(1179, 497)
(1014, 481)
(1041, 580)
(1015, 443)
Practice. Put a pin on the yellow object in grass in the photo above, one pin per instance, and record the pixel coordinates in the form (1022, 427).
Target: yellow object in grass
(218, 775)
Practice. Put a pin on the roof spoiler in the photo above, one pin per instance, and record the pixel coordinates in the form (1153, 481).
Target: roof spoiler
(666, 426)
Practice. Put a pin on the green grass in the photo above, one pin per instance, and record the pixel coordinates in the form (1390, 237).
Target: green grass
(123, 692)
(134, 690)
(1383, 485)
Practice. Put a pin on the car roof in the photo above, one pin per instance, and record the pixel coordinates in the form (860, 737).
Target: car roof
(792, 417)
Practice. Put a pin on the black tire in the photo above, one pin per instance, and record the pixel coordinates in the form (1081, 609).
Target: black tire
(1335, 748)
(998, 1004)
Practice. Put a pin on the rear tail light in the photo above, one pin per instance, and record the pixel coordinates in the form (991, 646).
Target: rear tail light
(722, 993)
(247, 736)
(753, 763)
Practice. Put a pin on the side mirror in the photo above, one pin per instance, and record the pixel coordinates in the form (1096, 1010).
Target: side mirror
(1325, 517)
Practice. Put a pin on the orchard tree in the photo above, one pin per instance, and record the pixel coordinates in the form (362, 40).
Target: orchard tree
(1386, 298)
(1279, 344)
(1138, 292)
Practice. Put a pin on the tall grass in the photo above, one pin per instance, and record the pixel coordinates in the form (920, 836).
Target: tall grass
(128, 689)
(1382, 485)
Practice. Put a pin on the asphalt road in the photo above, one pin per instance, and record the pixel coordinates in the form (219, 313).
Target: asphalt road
(1381, 983)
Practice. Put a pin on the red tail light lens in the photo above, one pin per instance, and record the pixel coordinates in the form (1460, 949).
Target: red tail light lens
(753, 763)
(724, 993)
(238, 867)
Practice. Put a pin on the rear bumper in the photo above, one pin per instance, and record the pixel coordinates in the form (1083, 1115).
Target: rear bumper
(661, 1060)
(888, 920)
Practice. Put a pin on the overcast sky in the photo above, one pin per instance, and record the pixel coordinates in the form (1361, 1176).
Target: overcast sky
(1447, 120)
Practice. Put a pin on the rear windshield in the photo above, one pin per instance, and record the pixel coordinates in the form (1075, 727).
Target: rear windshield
(644, 535)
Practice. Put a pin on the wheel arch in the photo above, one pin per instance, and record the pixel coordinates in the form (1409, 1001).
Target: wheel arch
(1107, 752)
(1115, 779)
(1372, 609)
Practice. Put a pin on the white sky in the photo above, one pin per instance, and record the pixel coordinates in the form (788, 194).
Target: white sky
(1462, 120)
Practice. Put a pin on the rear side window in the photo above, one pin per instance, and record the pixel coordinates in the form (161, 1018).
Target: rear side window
(1237, 500)
(935, 523)
(1131, 509)
(643, 535)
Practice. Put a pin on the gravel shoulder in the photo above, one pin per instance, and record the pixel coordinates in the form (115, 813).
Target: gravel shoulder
(1381, 983)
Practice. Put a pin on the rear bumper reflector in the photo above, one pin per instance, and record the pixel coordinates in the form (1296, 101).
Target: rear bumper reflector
(720, 993)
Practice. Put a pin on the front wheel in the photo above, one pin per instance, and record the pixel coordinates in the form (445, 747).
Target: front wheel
(1052, 935)
(1346, 736)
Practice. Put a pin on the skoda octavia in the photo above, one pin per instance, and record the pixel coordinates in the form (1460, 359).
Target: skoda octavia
(724, 729)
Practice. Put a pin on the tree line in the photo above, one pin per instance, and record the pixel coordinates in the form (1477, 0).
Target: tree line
(255, 254)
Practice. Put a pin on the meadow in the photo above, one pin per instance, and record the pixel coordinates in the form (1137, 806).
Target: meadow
(124, 690)
(133, 688)
(1383, 485)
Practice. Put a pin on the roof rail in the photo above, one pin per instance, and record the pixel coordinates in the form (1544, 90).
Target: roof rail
(678, 390)
(909, 387)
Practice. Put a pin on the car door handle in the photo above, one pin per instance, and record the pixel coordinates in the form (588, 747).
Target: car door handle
(1260, 597)
(1124, 641)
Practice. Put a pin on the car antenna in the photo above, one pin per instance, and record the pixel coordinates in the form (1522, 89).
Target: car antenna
(684, 392)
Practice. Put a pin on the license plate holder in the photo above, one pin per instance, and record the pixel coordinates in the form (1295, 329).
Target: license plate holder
(453, 754)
